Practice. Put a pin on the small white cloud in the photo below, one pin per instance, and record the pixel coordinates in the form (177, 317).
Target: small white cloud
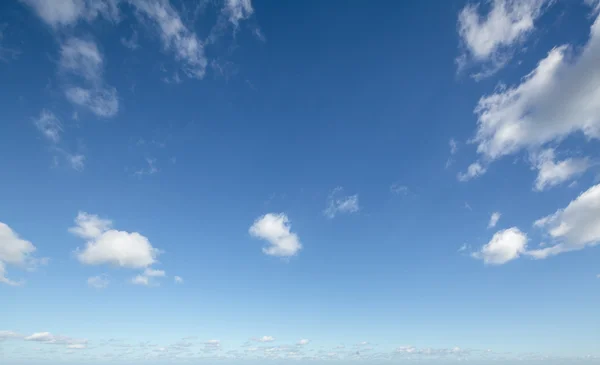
(178, 280)
(264, 339)
(551, 173)
(303, 342)
(154, 273)
(276, 229)
(109, 246)
(141, 280)
(453, 146)
(474, 170)
(49, 338)
(340, 204)
(101, 101)
(494, 219)
(151, 169)
(490, 39)
(505, 245)
(76, 161)
(573, 228)
(98, 282)
(49, 125)
(398, 189)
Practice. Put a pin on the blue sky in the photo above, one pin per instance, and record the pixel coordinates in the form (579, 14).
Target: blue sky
(299, 182)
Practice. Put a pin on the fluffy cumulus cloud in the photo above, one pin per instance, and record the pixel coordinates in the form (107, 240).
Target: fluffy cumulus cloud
(552, 172)
(175, 36)
(494, 218)
(303, 342)
(559, 98)
(276, 230)
(13, 251)
(573, 228)
(338, 203)
(105, 245)
(489, 39)
(505, 245)
(69, 12)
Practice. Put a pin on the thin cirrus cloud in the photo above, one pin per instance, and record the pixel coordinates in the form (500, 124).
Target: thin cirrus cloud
(276, 230)
(489, 40)
(337, 203)
(557, 99)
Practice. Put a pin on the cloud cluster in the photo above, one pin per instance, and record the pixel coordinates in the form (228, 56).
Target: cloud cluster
(46, 338)
(559, 98)
(276, 230)
(570, 229)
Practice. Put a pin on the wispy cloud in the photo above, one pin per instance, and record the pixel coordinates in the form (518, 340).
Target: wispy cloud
(338, 203)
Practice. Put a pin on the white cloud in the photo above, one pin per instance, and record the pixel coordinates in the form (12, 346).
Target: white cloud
(154, 273)
(303, 342)
(175, 35)
(490, 39)
(495, 217)
(505, 245)
(178, 280)
(237, 10)
(551, 173)
(77, 346)
(141, 280)
(103, 102)
(573, 228)
(398, 189)
(49, 125)
(151, 169)
(264, 339)
(108, 246)
(560, 97)
(146, 278)
(340, 204)
(9, 334)
(411, 350)
(49, 338)
(98, 282)
(76, 161)
(474, 170)
(69, 12)
(276, 229)
(453, 146)
(81, 58)
(15, 251)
